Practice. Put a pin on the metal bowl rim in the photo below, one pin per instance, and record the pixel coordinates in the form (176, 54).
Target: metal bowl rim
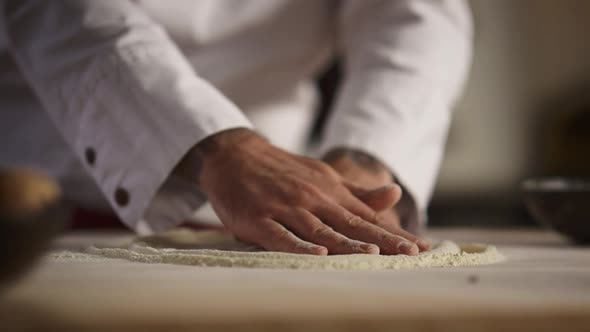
(556, 184)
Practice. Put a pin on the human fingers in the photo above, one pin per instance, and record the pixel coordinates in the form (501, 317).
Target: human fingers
(307, 226)
(355, 227)
(387, 220)
(272, 236)
(422, 244)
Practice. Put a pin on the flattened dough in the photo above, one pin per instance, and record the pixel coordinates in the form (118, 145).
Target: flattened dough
(213, 248)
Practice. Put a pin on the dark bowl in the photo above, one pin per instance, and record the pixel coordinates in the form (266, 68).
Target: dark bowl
(24, 240)
(562, 204)
(32, 213)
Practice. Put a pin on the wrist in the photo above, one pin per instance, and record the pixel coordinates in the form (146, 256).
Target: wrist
(342, 158)
(211, 151)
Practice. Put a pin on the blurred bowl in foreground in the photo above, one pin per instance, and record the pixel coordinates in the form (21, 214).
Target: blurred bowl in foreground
(31, 214)
(561, 203)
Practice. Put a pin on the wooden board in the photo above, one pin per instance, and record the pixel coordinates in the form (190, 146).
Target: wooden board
(544, 286)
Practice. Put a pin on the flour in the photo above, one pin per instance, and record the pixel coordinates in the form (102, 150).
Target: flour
(212, 248)
(66, 256)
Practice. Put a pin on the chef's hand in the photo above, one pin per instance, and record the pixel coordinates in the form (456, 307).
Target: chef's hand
(372, 182)
(284, 202)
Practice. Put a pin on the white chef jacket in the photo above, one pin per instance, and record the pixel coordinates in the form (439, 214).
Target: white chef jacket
(131, 86)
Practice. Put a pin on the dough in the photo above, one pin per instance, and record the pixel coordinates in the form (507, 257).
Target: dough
(214, 248)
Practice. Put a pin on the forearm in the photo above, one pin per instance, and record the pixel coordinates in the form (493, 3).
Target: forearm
(123, 96)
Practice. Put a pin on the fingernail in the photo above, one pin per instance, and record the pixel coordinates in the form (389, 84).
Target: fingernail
(370, 249)
(407, 248)
(320, 251)
(423, 244)
(311, 249)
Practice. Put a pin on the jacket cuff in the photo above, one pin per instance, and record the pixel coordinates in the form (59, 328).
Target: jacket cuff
(144, 109)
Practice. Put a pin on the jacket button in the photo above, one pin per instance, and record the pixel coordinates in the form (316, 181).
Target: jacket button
(90, 156)
(121, 197)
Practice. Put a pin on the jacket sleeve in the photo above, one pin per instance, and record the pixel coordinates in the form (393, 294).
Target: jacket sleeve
(405, 64)
(122, 95)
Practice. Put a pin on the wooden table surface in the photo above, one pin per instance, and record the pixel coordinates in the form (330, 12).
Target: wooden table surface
(544, 286)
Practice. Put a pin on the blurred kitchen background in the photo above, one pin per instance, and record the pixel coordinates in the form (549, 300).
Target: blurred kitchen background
(525, 111)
